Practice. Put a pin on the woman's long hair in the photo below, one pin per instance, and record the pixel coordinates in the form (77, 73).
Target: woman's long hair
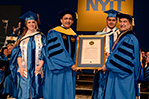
(25, 31)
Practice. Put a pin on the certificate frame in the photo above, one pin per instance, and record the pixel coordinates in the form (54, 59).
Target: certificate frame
(82, 51)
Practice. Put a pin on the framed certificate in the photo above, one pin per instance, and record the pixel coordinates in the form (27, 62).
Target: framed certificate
(90, 51)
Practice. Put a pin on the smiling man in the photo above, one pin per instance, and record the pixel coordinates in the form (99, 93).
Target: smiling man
(125, 22)
(61, 53)
(123, 63)
(67, 21)
(111, 33)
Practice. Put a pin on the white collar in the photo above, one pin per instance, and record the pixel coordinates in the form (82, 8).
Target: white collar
(26, 35)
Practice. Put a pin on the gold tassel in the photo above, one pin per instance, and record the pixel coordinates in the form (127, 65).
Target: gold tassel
(38, 19)
(117, 20)
(133, 22)
(141, 58)
(76, 15)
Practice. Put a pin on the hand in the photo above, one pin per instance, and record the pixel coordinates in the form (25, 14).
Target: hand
(3, 68)
(78, 38)
(103, 68)
(74, 68)
(23, 72)
(37, 70)
(13, 29)
(107, 55)
(19, 25)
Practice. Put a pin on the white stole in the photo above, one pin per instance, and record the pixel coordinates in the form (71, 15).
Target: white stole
(115, 33)
(24, 45)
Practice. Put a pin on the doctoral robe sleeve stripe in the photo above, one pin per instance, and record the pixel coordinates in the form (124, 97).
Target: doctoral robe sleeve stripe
(128, 45)
(123, 60)
(147, 74)
(55, 53)
(52, 40)
(120, 67)
(125, 52)
(53, 46)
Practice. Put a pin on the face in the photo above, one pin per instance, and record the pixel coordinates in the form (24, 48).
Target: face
(147, 54)
(111, 22)
(31, 24)
(124, 24)
(5, 52)
(143, 53)
(67, 20)
(9, 48)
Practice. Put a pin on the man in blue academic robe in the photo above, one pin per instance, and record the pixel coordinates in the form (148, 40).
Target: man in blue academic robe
(123, 63)
(111, 33)
(61, 53)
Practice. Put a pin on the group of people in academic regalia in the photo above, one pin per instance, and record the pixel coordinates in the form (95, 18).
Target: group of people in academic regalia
(118, 78)
(144, 86)
(4, 65)
(44, 66)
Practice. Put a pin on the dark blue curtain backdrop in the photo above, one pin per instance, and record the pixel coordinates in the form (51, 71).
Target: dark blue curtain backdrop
(48, 11)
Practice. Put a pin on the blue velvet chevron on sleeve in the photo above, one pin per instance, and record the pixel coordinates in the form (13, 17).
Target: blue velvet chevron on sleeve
(121, 60)
(57, 54)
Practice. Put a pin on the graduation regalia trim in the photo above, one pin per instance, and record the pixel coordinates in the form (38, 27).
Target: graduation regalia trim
(59, 77)
(35, 40)
(120, 37)
(123, 66)
(57, 44)
(65, 31)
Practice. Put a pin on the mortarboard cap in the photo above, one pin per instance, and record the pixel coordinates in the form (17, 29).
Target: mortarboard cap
(111, 13)
(66, 11)
(29, 16)
(129, 17)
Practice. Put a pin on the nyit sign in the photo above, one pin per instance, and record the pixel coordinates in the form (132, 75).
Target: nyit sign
(91, 16)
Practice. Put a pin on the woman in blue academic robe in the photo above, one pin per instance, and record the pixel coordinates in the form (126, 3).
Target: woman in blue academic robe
(26, 62)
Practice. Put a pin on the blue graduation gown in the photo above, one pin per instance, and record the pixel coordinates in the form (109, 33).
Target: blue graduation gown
(10, 86)
(24, 85)
(100, 77)
(3, 73)
(99, 85)
(147, 73)
(123, 67)
(59, 78)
